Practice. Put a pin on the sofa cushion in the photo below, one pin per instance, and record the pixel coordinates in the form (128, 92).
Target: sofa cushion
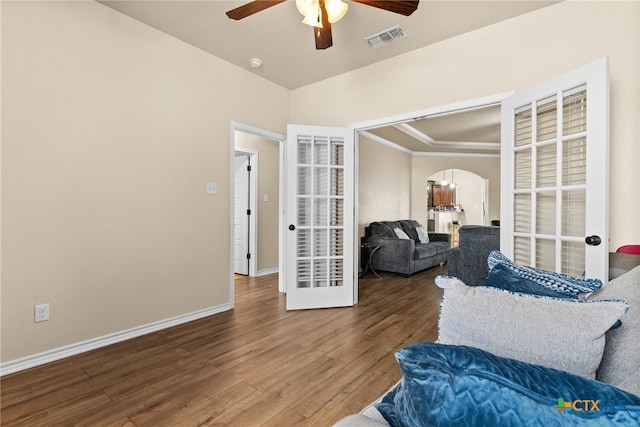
(557, 333)
(380, 229)
(621, 360)
(409, 227)
(465, 386)
(424, 251)
(557, 282)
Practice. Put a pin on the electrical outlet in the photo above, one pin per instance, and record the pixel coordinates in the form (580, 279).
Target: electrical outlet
(41, 312)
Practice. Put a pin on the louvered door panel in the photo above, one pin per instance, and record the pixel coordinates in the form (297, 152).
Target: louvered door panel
(321, 274)
(555, 173)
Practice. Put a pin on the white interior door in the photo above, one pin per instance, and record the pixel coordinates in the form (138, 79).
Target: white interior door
(319, 264)
(241, 219)
(555, 174)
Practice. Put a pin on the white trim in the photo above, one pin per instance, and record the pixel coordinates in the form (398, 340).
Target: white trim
(442, 110)
(267, 271)
(282, 205)
(414, 133)
(384, 141)
(237, 126)
(443, 154)
(356, 211)
(95, 343)
(427, 140)
(470, 144)
(434, 111)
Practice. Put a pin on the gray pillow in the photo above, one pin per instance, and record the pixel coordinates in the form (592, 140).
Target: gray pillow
(401, 234)
(423, 236)
(620, 365)
(556, 333)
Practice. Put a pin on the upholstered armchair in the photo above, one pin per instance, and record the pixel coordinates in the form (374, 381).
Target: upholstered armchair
(468, 261)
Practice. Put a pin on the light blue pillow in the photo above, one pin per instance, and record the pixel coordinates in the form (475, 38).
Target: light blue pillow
(465, 386)
(561, 283)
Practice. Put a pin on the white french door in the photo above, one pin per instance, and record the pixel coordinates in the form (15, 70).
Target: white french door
(241, 218)
(319, 267)
(555, 174)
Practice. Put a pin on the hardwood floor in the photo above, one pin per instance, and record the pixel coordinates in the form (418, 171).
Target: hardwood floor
(255, 365)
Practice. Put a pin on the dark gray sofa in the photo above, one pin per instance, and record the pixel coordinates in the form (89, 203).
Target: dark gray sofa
(468, 261)
(405, 256)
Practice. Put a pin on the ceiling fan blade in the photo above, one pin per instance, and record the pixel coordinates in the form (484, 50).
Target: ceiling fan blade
(403, 7)
(251, 8)
(322, 34)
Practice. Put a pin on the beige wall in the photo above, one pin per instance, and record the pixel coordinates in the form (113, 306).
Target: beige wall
(384, 184)
(110, 130)
(267, 212)
(511, 55)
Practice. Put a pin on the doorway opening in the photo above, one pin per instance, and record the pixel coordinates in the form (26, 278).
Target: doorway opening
(469, 198)
(397, 155)
(257, 208)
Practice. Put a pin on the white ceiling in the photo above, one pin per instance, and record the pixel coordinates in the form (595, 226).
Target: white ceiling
(287, 49)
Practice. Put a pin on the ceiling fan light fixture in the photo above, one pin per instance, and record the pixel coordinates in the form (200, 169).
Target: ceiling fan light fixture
(312, 12)
(336, 9)
(313, 21)
(310, 9)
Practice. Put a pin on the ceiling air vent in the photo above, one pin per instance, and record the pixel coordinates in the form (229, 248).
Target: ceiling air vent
(387, 36)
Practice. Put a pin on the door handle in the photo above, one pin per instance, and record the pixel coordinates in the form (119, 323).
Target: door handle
(593, 240)
(292, 227)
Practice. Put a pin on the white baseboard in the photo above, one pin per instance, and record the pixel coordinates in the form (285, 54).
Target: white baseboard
(92, 344)
(267, 271)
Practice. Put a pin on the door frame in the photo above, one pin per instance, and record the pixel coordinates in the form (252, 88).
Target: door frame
(253, 158)
(362, 127)
(281, 139)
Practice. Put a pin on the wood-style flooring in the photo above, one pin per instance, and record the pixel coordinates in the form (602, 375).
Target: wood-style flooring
(256, 365)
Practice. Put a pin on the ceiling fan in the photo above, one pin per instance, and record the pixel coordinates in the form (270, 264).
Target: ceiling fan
(320, 14)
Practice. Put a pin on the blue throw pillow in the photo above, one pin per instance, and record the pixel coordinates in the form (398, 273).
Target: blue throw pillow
(560, 283)
(503, 277)
(465, 386)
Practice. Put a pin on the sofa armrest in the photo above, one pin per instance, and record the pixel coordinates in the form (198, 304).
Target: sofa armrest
(391, 246)
(454, 261)
(394, 255)
(439, 237)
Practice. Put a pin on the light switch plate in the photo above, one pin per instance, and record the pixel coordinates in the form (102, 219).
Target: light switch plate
(212, 188)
